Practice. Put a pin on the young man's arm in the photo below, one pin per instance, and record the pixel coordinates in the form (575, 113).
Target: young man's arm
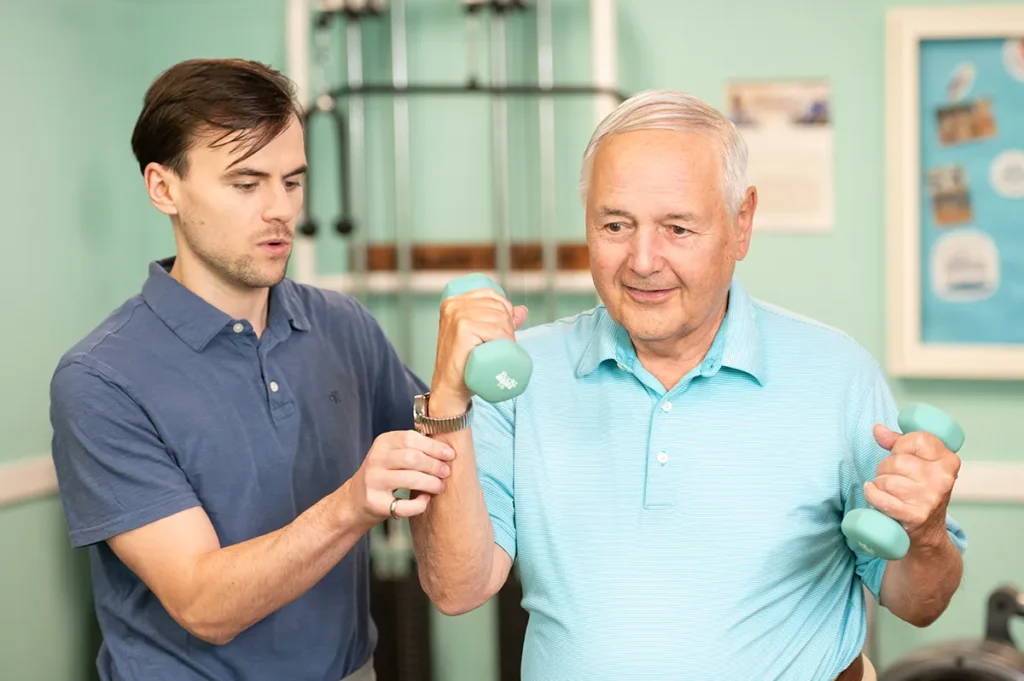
(119, 484)
(465, 549)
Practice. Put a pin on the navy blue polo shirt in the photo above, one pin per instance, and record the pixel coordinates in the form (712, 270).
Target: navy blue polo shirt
(170, 404)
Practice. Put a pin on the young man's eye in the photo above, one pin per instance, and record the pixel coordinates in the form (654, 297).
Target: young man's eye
(292, 184)
(246, 187)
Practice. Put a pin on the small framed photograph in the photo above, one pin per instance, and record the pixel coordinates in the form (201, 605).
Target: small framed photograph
(955, 192)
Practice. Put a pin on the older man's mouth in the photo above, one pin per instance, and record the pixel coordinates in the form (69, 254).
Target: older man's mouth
(648, 295)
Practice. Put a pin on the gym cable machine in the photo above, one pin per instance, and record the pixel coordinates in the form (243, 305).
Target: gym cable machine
(399, 606)
(345, 106)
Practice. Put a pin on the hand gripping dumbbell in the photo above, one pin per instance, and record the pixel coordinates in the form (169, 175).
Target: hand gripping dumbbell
(497, 370)
(872, 530)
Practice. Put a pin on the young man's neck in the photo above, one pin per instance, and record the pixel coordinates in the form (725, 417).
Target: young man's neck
(237, 302)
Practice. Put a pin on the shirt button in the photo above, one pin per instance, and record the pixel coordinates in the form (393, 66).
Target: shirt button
(237, 328)
(662, 458)
(273, 386)
(667, 407)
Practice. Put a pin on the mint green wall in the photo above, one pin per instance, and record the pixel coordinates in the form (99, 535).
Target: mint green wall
(76, 211)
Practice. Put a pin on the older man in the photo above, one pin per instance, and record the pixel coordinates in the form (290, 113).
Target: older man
(673, 480)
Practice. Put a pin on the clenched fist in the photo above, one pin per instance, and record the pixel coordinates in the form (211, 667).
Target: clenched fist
(914, 483)
(467, 320)
(398, 460)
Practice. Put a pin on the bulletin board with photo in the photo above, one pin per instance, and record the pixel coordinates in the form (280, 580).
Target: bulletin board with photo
(955, 149)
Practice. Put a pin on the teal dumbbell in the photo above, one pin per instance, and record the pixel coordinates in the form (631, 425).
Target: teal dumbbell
(497, 370)
(874, 531)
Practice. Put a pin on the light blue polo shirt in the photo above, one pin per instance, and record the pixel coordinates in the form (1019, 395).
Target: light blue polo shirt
(692, 533)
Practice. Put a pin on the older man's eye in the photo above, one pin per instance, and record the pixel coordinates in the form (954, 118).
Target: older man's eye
(679, 231)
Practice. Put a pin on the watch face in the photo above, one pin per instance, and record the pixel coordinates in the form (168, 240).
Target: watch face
(419, 407)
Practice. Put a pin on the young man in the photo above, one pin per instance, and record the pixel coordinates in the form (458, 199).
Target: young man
(673, 479)
(225, 439)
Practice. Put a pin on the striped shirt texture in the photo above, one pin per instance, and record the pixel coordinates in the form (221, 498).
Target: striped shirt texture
(692, 533)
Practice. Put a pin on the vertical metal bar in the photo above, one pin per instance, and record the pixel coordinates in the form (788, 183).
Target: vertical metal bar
(403, 194)
(499, 127)
(472, 44)
(357, 155)
(548, 214)
(298, 44)
(604, 55)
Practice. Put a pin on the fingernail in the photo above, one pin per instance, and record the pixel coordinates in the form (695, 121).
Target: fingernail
(445, 470)
(450, 452)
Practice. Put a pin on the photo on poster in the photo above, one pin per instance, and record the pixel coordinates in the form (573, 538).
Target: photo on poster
(1013, 57)
(965, 266)
(1007, 174)
(951, 195)
(961, 80)
(787, 125)
(966, 122)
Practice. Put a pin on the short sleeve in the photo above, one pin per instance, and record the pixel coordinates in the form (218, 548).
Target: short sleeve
(394, 384)
(871, 402)
(113, 471)
(494, 442)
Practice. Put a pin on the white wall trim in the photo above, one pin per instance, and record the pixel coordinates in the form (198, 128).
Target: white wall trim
(27, 479)
(979, 482)
(990, 482)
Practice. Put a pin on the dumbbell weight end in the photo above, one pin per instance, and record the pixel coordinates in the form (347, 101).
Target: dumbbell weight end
(872, 530)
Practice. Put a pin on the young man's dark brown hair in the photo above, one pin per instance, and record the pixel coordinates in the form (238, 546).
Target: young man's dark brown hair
(228, 100)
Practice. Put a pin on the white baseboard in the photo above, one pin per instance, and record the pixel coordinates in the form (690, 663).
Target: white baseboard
(979, 482)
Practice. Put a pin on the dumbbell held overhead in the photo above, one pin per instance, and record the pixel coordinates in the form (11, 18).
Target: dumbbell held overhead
(497, 370)
(876, 533)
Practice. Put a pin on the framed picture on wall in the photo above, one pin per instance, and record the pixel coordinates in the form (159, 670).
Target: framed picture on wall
(955, 191)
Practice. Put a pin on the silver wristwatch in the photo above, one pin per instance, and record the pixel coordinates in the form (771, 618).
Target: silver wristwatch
(432, 426)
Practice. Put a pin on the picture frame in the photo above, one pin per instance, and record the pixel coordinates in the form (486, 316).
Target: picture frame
(954, 139)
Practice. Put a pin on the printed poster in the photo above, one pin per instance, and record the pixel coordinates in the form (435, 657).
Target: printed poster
(788, 129)
(972, 198)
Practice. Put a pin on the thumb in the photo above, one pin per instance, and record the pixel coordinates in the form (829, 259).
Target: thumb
(519, 313)
(885, 437)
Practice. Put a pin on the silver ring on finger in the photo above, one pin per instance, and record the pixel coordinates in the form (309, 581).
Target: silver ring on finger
(394, 503)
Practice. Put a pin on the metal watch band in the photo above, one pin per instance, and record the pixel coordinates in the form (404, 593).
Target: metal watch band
(428, 425)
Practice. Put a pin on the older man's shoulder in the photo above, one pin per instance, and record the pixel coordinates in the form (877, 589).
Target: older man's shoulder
(574, 329)
(786, 332)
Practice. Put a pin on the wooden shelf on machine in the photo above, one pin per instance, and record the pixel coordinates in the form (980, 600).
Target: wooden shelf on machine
(434, 265)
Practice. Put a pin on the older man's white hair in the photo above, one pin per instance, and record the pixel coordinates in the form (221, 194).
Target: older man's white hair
(681, 112)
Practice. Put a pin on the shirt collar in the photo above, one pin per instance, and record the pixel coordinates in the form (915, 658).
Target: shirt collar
(196, 322)
(737, 344)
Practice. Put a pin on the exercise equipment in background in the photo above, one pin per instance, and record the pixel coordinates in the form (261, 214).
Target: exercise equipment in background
(497, 370)
(344, 100)
(512, 622)
(400, 608)
(877, 533)
(995, 658)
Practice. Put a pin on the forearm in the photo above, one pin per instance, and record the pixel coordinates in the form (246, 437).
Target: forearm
(234, 587)
(454, 538)
(918, 587)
